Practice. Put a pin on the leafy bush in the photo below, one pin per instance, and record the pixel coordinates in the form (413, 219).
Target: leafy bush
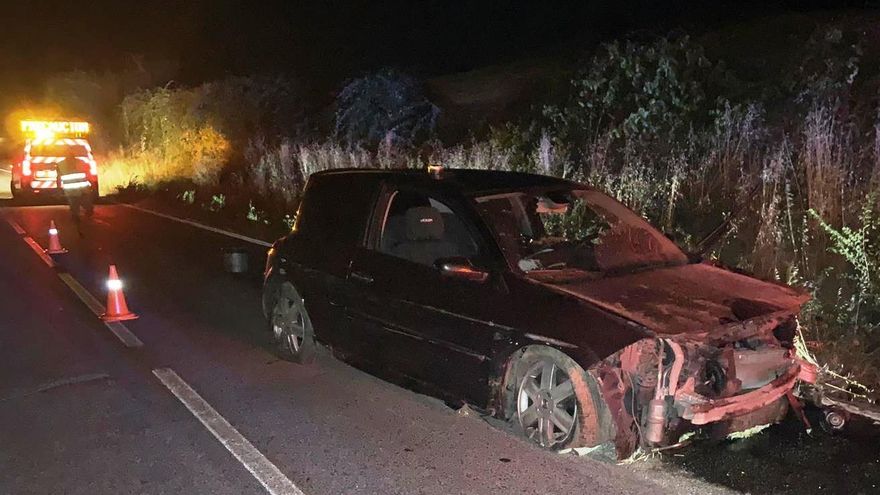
(860, 247)
(830, 66)
(197, 133)
(387, 106)
(632, 89)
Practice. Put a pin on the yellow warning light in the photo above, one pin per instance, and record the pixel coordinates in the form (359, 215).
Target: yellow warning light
(48, 129)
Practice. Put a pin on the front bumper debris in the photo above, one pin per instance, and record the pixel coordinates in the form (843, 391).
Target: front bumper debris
(700, 410)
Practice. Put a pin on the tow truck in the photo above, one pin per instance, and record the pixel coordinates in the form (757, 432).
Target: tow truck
(46, 144)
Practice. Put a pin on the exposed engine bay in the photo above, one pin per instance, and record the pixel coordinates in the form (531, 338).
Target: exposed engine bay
(736, 377)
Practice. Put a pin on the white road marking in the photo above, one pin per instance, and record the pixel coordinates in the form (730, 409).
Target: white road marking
(119, 330)
(124, 334)
(200, 226)
(39, 250)
(84, 295)
(275, 482)
(16, 227)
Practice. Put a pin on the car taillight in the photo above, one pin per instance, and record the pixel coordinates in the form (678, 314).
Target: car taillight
(93, 167)
(26, 168)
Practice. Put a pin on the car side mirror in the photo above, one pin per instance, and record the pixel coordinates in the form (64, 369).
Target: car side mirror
(461, 268)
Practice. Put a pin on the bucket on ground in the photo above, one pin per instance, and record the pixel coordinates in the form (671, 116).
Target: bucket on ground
(235, 260)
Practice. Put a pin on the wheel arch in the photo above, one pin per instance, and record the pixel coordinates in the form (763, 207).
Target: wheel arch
(595, 427)
(507, 358)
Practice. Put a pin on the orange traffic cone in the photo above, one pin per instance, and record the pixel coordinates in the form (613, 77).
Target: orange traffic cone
(54, 244)
(117, 310)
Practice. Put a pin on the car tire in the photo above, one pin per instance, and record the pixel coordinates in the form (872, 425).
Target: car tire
(16, 192)
(291, 326)
(555, 403)
(20, 196)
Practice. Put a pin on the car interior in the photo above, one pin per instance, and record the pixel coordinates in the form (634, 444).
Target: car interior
(423, 230)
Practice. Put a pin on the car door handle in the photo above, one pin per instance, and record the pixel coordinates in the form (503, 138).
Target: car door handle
(361, 277)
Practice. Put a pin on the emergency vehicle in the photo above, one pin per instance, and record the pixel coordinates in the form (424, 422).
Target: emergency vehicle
(47, 144)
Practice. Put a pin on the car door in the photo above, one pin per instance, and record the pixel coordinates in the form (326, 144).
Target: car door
(331, 222)
(416, 320)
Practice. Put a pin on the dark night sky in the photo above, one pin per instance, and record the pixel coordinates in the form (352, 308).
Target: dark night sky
(322, 40)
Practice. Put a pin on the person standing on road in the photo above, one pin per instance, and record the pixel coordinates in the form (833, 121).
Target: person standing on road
(73, 179)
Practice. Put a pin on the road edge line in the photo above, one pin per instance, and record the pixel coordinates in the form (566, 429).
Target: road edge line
(268, 474)
(39, 250)
(199, 225)
(84, 295)
(15, 226)
(121, 332)
(124, 334)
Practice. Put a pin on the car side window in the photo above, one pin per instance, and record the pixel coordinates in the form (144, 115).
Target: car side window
(422, 229)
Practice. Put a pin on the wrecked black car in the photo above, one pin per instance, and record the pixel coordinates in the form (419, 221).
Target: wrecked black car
(538, 300)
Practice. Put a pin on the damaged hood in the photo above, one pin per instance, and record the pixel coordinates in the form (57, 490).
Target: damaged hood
(691, 299)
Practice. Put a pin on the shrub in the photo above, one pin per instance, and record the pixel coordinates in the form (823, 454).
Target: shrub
(860, 247)
(196, 133)
(632, 89)
(830, 66)
(387, 106)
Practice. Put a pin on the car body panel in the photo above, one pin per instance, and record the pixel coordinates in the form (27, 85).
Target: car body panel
(685, 299)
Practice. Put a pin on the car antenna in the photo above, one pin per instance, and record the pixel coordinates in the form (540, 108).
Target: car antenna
(709, 242)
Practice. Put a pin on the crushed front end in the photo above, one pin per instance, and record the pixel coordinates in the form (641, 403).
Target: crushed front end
(730, 379)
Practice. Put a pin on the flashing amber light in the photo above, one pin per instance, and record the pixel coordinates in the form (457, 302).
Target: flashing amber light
(47, 129)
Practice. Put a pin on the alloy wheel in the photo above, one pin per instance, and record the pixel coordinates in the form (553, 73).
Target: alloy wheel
(289, 321)
(546, 406)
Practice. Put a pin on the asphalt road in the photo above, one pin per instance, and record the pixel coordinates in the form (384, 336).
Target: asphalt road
(82, 413)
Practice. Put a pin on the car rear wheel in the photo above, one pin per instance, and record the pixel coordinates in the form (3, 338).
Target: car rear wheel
(291, 326)
(556, 403)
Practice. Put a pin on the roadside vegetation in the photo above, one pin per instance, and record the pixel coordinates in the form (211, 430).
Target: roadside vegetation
(792, 160)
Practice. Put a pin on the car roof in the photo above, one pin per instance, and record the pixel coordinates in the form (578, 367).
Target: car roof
(468, 181)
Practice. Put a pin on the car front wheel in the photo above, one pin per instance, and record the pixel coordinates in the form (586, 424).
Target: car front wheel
(291, 326)
(556, 403)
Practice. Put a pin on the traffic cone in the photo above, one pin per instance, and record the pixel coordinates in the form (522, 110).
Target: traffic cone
(54, 244)
(117, 310)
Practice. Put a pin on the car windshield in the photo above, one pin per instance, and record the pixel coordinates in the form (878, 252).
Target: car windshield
(574, 229)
